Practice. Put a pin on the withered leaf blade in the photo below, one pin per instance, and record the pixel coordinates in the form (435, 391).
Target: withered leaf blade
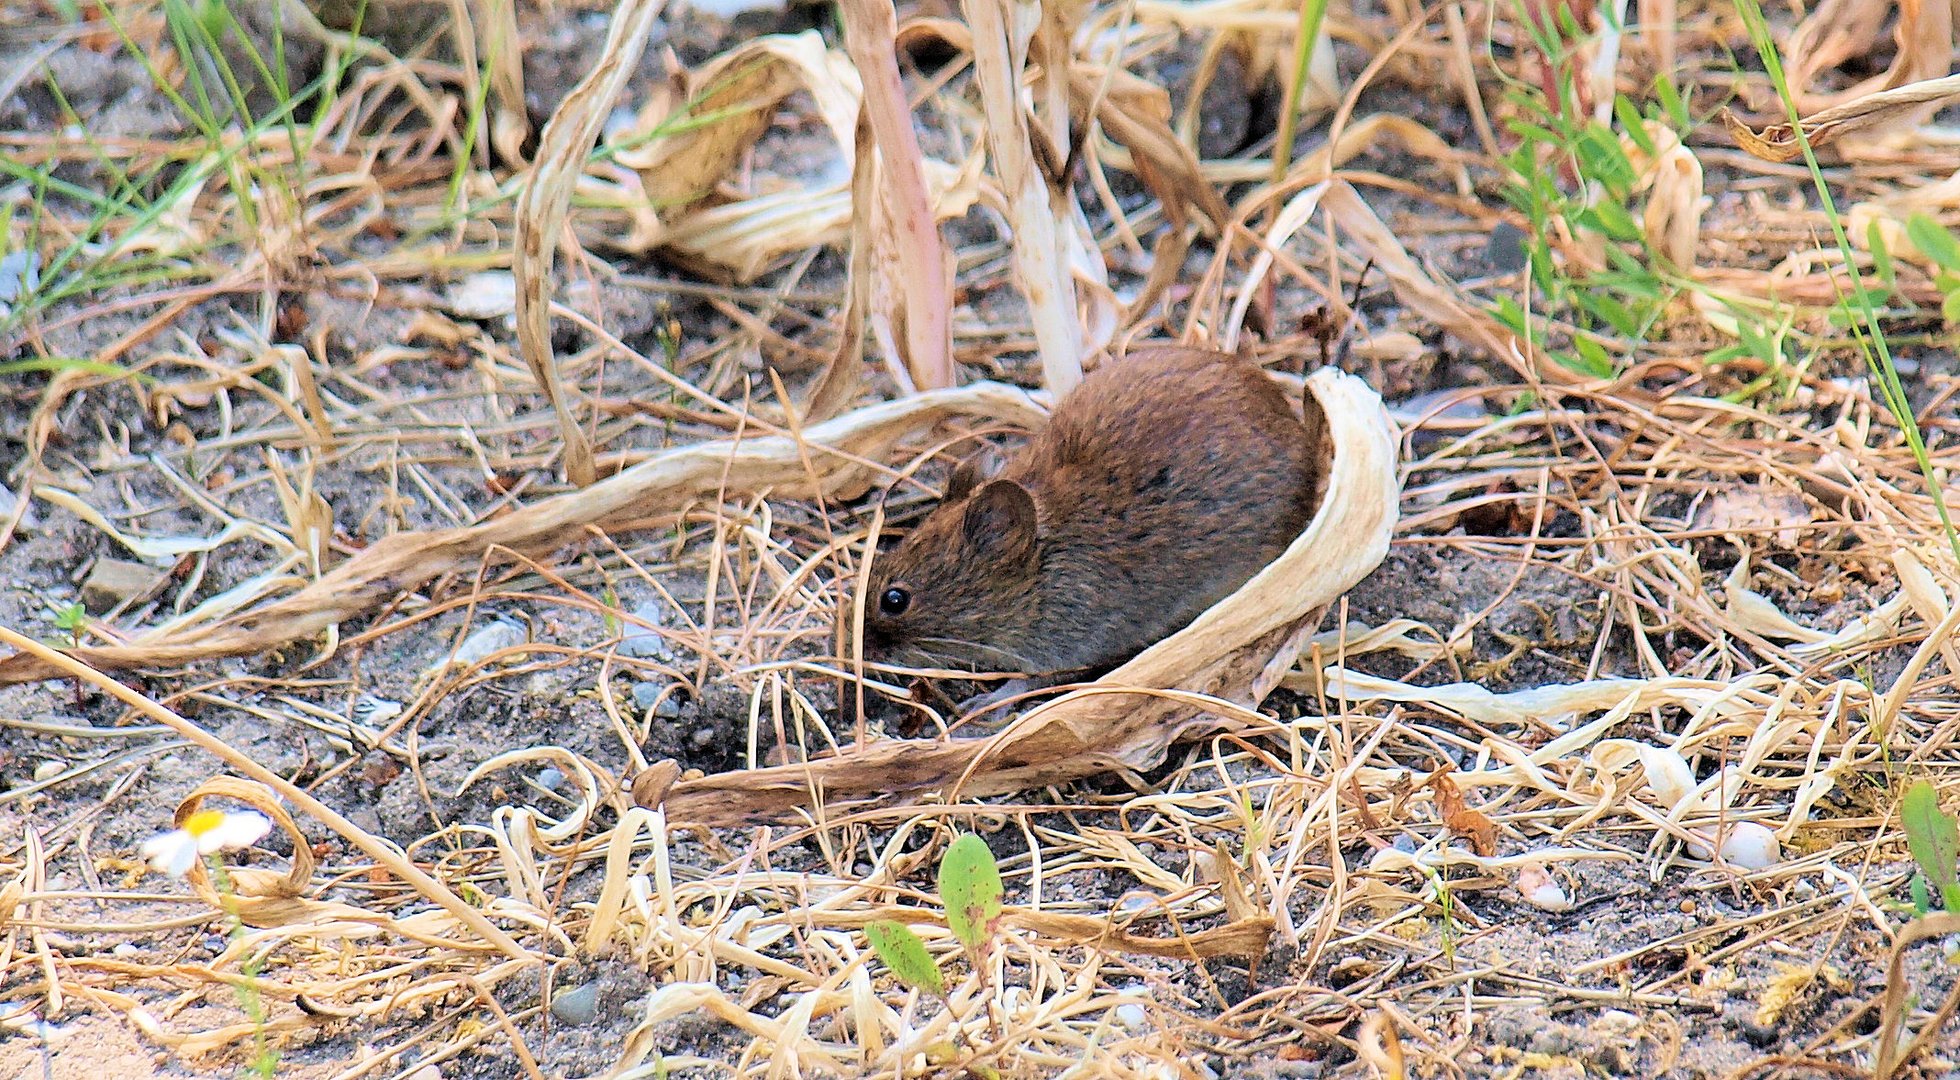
(1778, 142)
(1459, 818)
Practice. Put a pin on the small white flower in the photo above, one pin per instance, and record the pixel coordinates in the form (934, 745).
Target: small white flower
(204, 832)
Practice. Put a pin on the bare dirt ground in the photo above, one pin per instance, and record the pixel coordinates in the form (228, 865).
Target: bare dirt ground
(253, 360)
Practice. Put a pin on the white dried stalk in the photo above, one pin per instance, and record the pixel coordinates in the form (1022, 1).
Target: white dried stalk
(546, 199)
(1002, 30)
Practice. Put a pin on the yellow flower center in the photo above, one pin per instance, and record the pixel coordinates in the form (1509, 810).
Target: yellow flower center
(203, 821)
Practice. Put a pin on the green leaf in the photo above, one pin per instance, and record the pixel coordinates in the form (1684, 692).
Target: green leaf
(1670, 99)
(1602, 159)
(905, 956)
(969, 886)
(1533, 133)
(1635, 126)
(1881, 255)
(1950, 307)
(1931, 237)
(1608, 310)
(1921, 902)
(1950, 897)
(1593, 358)
(1931, 836)
(1507, 311)
(1612, 218)
(71, 619)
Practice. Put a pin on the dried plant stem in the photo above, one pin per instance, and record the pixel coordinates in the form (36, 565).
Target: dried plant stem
(870, 34)
(541, 211)
(1000, 47)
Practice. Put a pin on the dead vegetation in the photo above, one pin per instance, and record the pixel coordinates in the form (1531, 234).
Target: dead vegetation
(467, 468)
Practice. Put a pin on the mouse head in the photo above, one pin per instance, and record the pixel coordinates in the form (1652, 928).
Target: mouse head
(960, 589)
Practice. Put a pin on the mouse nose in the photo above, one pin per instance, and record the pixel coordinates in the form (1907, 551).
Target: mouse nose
(879, 641)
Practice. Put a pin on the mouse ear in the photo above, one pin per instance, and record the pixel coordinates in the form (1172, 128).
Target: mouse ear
(982, 466)
(1000, 519)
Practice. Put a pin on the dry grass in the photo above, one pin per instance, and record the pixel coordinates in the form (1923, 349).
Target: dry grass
(277, 364)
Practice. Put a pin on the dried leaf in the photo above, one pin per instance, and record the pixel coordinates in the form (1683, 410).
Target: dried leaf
(1043, 216)
(718, 112)
(1459, 818)
(547, 197)
(1242, 938)
(1137, 114)
(1778, 142)
(914, 270)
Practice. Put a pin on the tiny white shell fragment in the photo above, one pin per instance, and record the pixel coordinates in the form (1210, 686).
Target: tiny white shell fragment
(1668, 774)
(1542, 890)
(370, 710)
(1748, 846)
(1131, 1016)
(485, 295)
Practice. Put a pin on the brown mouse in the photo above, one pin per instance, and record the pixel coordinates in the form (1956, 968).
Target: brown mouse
(1163, 482)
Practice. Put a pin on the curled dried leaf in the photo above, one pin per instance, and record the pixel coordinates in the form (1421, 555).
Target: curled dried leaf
(1459, 818)
(1778, 142)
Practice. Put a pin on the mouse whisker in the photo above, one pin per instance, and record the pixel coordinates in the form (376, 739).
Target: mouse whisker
(982, 650)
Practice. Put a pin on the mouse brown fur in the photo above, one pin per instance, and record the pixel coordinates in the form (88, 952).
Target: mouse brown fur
(1163, 482)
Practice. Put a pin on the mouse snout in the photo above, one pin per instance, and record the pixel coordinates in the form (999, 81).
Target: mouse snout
(879, 641)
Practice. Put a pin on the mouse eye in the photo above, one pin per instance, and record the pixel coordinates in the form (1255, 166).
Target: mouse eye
(895, 600)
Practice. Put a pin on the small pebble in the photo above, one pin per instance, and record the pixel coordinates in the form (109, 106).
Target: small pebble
(1504, 251)
(702, 738)
(1617, 1020)
(644, 644)
(1543, 891)
(1749, 845)
(48, 770)
(115, 581)
(10, 504)
(578, 1006)
(1131, 1016)
(493, 636)
(550, 779)
(646, 694)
